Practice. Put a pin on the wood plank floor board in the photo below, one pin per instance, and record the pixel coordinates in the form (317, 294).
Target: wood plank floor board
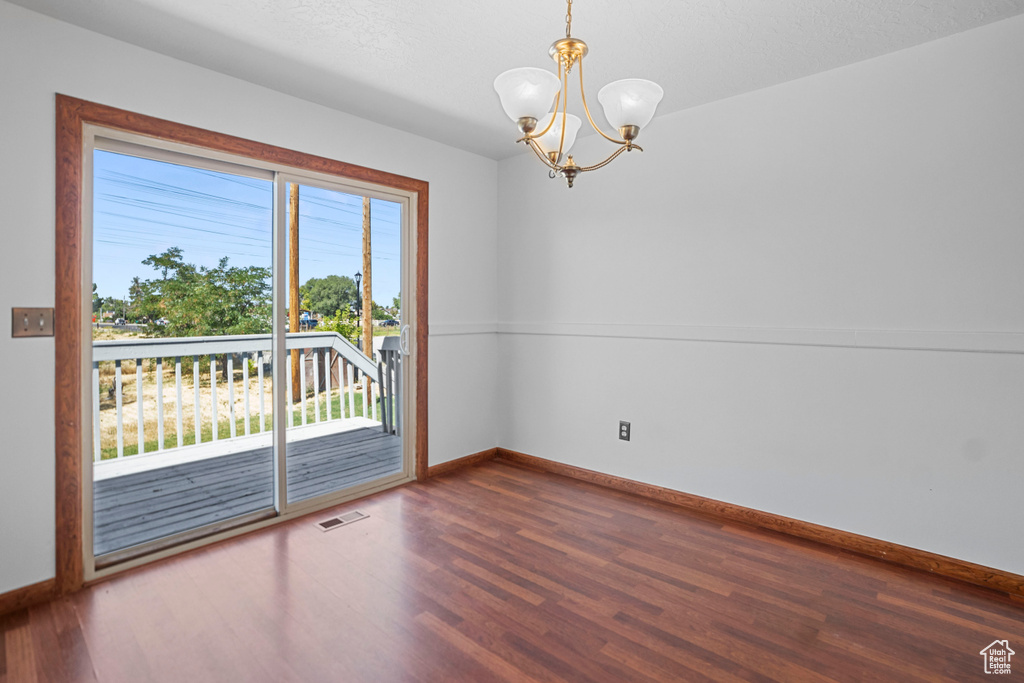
(301, 470)
(197, 502)
(414, 604)
(328, 462)
(513, 511)
(868, 591)
(43, 632)
(578, 642)
(4, 621)
(353, 441)
(653, 666)
(574, 641)
(145, 506)
(461, 513)
(156, 523)
(547, 580)
(130, 488)
(736, 617)
(72, 646)
(894, 646)
(362, 470)
(8, 622)
(162, 479)
(186, 487)
(331, 578)
(503, 564)
(311, 479)
(701, 621)
(260, 633)
(154, 526)
(887, 632)
(691, 650)
(105, 617)
(500, 573)
(943, 605)
(19, 659)
(489, 609)
(177, 486)
(322, 447)
(334, 467)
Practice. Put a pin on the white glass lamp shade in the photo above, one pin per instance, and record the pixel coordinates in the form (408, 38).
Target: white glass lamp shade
(549, 141)
(630, 102)
(527, 92)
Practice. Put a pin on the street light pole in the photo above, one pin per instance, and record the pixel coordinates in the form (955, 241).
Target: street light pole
(359, 292)
(359, 308)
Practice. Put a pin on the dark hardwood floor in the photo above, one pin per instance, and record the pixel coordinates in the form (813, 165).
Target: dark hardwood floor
(145, 506)
(497, 573)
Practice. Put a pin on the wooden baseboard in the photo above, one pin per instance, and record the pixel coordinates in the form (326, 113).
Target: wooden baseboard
(941, 565)
(26, 596)
(459, 463)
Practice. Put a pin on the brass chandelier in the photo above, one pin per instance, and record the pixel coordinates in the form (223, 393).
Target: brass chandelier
(526, 95)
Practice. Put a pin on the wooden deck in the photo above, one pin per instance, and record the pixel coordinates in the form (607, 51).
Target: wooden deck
(145, 506)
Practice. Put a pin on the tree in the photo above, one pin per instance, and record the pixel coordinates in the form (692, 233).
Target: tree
(136, 295)
(379, 312)
(344, 322)
(103, 303)
(112, 304)
(327, 295)
(166, 262)
(199, 302)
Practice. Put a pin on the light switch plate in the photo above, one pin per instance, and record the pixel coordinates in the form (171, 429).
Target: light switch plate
(31, 322)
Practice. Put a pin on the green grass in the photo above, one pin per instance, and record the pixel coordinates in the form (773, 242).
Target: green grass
(224, 426)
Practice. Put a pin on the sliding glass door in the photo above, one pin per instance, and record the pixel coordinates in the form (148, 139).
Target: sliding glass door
(182, 370)
(248, 355)
(344, 312)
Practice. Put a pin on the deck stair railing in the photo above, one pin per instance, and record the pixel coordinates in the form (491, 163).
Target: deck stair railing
(319, 352)
(389, 376)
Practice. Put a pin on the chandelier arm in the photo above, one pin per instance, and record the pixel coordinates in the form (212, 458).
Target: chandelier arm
(609, 160)
(540, 155)
(557, 100)
(583, 96)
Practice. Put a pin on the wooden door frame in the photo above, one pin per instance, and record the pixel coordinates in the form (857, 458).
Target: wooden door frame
(72, 115)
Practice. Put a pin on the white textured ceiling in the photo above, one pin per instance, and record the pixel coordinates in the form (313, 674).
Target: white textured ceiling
(427, 67)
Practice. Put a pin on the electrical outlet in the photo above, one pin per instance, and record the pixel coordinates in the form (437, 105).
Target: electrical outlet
(31, 322)
(623, 430)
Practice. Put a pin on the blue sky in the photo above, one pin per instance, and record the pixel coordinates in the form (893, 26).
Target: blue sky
(143, 207)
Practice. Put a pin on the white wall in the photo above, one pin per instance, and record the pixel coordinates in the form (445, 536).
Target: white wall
(40, 57)
(770, 294)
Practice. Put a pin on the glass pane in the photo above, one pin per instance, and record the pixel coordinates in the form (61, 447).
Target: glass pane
(344, 429)
(181, 349)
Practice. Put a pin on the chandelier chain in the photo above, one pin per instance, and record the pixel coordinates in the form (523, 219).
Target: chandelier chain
(568, 20)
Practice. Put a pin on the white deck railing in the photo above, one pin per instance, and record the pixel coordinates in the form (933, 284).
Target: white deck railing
(318, 349)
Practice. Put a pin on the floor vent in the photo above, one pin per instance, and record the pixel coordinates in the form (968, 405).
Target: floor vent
(341, 520)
